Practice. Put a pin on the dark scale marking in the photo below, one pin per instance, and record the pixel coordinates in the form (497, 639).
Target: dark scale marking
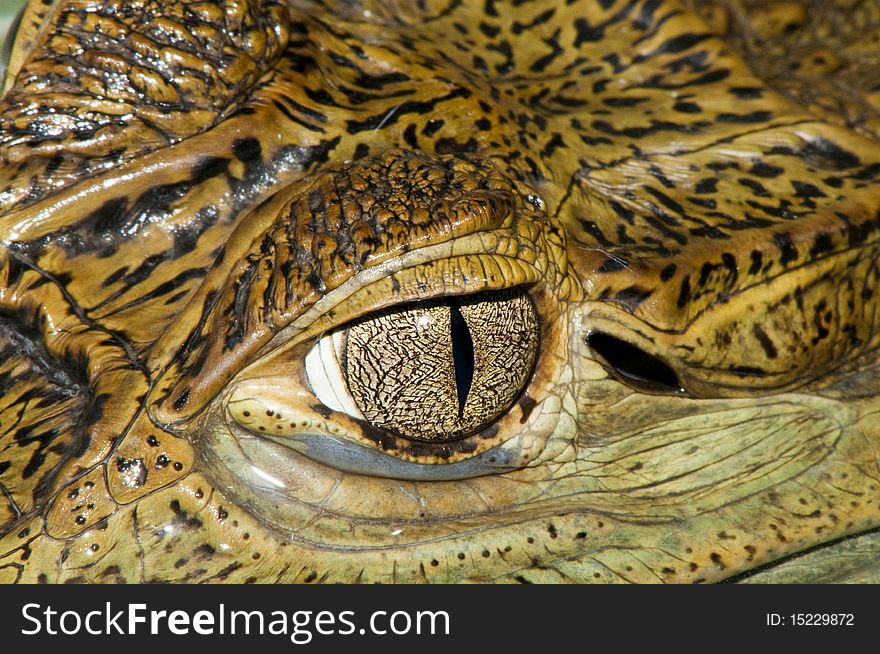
(642, 132)
(668, 272)
(757, 262)
(718, 166)
(527, 404)
(587, 33)
(821, 244)
(833, 182)
(101, 225)
(623, 237)
(829, 155)
(386, 117)
(819, 320)
(666, 224)
(632, 296)
(687, 107)
(749, 118)
(593, 229)
(746, 92)
(322, 410)
(684, 295)
(209, 167)
(613, 264)
(204, 551)
(666, 201)
(660, 176)
(490, 31)
(320, 96)
(362, 150)
(409, 136)
(766, 342)
(540, 19)
(705, 273)
(184, 519)
(114, 277)
(247, 149)
(433, 126)
(306, 111)
(786, 247)
(556, 141)
(163, 289)
(807, 191)
(729, 262)
(506, 50)
(624, 102)
(762, 169)
(707, 185)
(674, 45)
(757, 188)
(624, 213)
(451, 146)
(711, 77)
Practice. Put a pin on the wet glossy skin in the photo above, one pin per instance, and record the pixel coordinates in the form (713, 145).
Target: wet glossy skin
(196, 198)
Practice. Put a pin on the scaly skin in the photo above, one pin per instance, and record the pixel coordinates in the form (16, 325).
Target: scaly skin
(192, 194)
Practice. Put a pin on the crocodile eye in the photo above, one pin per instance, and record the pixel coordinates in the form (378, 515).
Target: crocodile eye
(436, 371)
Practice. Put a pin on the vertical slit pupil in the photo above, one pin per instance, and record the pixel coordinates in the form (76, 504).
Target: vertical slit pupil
(462, 357)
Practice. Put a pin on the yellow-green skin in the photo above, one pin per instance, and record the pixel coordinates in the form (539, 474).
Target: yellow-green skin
(192, 193)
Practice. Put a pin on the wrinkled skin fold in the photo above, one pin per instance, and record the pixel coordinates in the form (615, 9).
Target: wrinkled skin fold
(634, 244)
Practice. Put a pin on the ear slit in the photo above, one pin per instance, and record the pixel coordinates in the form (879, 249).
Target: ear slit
(633, 365)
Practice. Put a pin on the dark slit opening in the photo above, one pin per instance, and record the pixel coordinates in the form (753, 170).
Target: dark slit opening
(633, 365)
(462, 357)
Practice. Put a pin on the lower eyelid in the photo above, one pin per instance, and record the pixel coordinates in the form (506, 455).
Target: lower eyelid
(351, 457)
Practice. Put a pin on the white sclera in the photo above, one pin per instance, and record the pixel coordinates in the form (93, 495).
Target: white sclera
(324, 373)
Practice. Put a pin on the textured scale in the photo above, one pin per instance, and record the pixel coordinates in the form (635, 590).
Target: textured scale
(193, 193)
